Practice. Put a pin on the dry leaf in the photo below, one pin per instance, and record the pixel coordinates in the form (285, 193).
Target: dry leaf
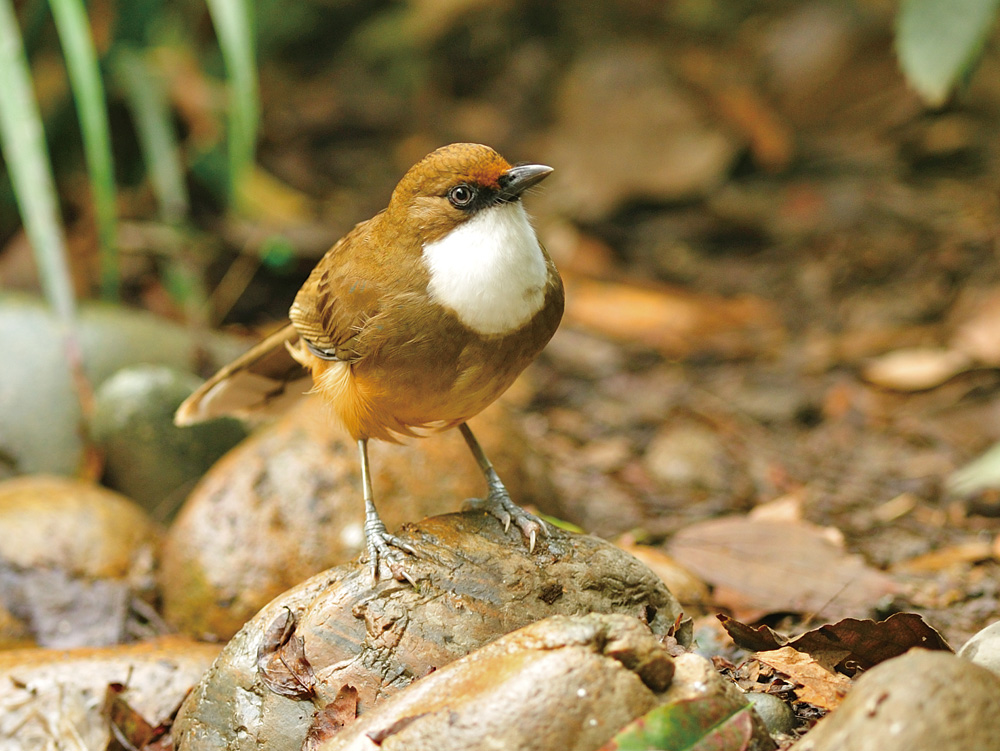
(818, 684)
(916, 369)
(979, 336)
(281, 659)
(862, 643)
(760, 567)
(332, 718)
(675, 322)
(953, 555)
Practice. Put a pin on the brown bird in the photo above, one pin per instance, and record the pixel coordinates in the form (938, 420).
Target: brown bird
(418, 318)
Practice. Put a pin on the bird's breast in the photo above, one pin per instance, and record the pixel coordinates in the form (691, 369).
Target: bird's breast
(490, 271)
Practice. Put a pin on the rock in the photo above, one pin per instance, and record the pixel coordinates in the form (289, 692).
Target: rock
(564, 682)
(701, 710)
(287, 503)
(687, 454)
(777, 714)
(39, 408)
(475, 583)
(50, 696)
(696, 678)
(72, 555)
(14, 632)
(690, 591)
(983, 648)
(920, 701)
(147, 457)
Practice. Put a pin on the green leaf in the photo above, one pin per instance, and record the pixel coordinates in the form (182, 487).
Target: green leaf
(277, 253)
(982, 473)
(146, 96)
(689, 725)
(27, 159)
(88, 92)
(233, 20)
(939, 42)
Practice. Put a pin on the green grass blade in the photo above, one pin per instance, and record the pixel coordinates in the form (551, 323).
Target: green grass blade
(27, 158)
(88, 92)
(146, 97)
(234, 25)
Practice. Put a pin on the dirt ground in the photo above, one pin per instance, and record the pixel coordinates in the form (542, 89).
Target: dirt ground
(769, 213)
(783, 289)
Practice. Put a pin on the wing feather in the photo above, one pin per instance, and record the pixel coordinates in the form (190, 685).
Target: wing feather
(264, 380)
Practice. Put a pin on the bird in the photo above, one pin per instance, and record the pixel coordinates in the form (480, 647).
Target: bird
(413, 322)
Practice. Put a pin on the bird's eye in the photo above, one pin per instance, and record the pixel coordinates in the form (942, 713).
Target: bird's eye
(461, 196)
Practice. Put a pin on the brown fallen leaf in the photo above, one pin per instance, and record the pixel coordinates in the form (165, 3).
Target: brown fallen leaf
(760, 567)
(752, 638)
(618, 107)
(975, 343)
(978, 336)
(332, 718)
(817, 683)
(965, 553)
(917, 368)
(675, 322)
(740, 105)
(281, 659)
(864, 643)
(871, 642)
(130, 731)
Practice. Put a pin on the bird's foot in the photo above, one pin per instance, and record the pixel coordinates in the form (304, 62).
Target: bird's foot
(388, 549)
(499, 504)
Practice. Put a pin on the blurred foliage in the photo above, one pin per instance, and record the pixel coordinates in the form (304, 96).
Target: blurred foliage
(162, 65)
(940, 43)
(157, 103)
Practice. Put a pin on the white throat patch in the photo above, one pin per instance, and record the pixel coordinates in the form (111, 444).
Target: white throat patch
(489, 270)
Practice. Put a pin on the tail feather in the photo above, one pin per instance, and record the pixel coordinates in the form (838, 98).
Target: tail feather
(265, 380)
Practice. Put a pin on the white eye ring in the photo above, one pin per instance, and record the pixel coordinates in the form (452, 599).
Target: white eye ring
(461, 196)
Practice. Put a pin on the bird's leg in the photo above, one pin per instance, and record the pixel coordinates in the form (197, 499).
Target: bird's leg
(377, 539)
(498, 502)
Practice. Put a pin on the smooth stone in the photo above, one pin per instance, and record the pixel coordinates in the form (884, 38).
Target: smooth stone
(983, 648)
(919, 701)
(147, 457)
(40, 417)
(72, 557)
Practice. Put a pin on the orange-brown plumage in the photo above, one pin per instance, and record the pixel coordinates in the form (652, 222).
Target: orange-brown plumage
(419, 317)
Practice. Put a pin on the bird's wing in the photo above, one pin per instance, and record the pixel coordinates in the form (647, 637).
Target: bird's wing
(263, 381)
(341, 294)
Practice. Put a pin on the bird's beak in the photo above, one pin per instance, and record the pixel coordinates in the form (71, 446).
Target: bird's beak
(518, 179)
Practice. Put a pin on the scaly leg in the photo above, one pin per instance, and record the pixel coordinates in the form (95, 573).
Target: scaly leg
(498, 502)
(378, 541)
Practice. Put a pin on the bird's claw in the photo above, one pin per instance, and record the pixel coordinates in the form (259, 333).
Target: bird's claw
(499, 505)
(385, 548)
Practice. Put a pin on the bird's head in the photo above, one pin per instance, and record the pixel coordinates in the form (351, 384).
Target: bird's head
(451, 185)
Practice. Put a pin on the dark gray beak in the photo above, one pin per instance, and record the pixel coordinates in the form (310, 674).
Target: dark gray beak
(518, 179)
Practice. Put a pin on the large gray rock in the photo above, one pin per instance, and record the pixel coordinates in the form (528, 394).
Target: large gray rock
(919, 701)
(40, 417)
(146, 456)
(474, 583)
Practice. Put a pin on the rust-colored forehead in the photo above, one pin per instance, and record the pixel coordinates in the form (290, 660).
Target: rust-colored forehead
(450, 165)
